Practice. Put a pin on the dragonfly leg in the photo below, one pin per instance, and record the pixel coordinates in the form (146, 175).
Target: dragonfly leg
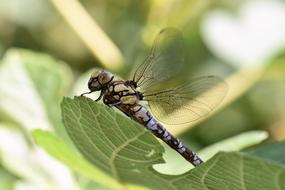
(99, 98)
(86, 93)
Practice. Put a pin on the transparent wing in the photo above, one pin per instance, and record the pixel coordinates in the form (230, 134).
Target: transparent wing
(164, 62)
(187, 102)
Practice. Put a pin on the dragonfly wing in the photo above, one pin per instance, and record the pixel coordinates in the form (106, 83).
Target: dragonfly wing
(187, 102)
(164, 62)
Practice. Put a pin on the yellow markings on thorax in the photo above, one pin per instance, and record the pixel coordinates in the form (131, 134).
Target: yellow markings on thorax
(111, 88)
(120, 88)
(129, 99)
(117, 97)
(127, 94)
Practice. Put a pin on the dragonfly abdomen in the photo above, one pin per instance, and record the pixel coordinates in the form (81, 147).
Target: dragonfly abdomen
(140, 114)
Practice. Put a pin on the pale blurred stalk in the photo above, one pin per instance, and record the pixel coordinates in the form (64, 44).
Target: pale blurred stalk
(91, 34)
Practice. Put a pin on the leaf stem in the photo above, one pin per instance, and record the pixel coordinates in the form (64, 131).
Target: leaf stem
(90, 33)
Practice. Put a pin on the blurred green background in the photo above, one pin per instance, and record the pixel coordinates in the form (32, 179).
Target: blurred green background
(47, 49)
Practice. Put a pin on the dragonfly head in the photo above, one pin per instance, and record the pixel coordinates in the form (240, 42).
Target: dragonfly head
(99, 80)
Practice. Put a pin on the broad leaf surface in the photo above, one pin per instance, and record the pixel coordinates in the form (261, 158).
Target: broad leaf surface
(273, 151)
(127, 152)
(68, 156)
(32, 86)
(7, 179)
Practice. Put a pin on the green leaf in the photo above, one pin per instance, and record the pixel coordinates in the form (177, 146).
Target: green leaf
(273, 151)
(51, 79)
(32, 85)
(126, 151)
(7, 179)
(237, 171)
(69, 157)
(98, 133)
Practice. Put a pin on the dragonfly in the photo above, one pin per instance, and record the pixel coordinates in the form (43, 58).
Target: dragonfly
(153, 98)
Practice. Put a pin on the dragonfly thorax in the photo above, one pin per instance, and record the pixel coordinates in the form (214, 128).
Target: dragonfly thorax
(121, 92)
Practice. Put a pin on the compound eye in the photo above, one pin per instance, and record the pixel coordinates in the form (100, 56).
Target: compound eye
(93, 84)
(95, 74)
(105, 77)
